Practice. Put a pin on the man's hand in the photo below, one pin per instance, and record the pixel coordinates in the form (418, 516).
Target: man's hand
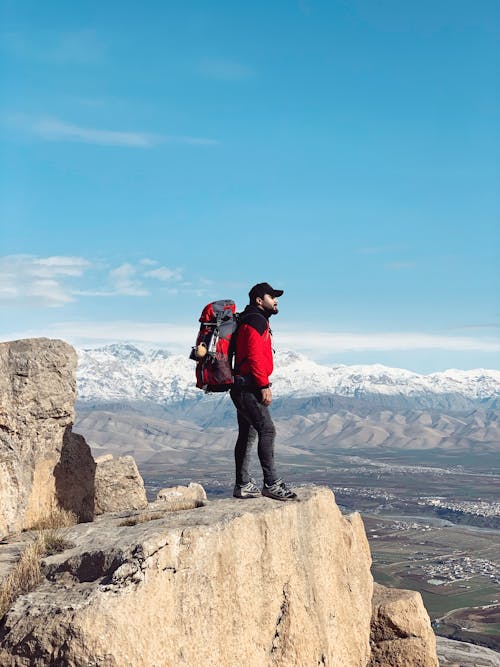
(267, 396)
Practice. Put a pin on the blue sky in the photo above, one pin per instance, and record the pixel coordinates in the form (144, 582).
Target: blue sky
(157, 156)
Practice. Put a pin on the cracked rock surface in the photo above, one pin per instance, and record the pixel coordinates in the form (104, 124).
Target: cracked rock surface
(37, 394)
(254, 582)
(401, 632)
(454, 653)
(44, 466)
(118, 485)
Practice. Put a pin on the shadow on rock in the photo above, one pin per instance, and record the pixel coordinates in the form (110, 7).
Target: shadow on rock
(75, 476)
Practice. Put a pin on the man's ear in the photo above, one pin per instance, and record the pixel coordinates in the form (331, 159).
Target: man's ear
(259, 301)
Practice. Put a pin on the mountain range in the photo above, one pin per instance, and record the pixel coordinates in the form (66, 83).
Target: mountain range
(144, 402)
(123, 372)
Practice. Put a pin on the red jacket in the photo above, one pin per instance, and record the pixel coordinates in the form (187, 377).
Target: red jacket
(254, 349)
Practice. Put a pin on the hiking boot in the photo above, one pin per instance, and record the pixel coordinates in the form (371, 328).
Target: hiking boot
(248, 490)
(279, 491)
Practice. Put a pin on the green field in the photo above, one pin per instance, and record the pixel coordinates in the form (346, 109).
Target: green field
(403, 558)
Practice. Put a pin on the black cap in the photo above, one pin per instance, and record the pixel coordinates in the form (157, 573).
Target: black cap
(261, 289)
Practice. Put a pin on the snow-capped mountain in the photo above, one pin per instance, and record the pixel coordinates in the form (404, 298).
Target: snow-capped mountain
(124, 372)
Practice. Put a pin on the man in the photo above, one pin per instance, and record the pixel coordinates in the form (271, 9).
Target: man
(252, 395)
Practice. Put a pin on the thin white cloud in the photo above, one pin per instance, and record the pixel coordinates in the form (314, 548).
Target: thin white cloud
(127, 280)
(465, 327)
(59, 265)
(51, 129)
(165, 274)
(123, 280)
(56, 130)
(321, 342)
(49, 281)
(39, 281)
(50, 291)
(179, 337)
(97, 292)
(225, 70)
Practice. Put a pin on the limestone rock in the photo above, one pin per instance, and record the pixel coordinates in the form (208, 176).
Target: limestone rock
(37, 395)
(453, 653)
(75, 476)
(258, 583)
(193, 495)
(401, 633)
(118, 485)
(103, 458)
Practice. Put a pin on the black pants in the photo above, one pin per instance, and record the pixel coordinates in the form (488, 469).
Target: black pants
(254, 419)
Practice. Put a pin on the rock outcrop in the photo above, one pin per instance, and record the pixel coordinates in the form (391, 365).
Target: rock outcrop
(75, 477)
(44, 466)
(37, 395)
(193, 495)
(453, 653)
(257, 583)
(118, 485)
(401, 633)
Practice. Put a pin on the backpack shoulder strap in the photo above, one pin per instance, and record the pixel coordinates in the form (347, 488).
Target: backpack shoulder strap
(256, 320)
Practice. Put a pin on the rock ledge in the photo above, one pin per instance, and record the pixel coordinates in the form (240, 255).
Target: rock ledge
(253, 582)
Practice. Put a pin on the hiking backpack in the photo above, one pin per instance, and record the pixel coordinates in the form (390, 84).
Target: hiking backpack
(213, 351)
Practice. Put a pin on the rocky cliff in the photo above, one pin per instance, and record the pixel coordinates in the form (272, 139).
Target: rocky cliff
(258, 582)
(37, 447)
(400, 630)
(44, 466)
